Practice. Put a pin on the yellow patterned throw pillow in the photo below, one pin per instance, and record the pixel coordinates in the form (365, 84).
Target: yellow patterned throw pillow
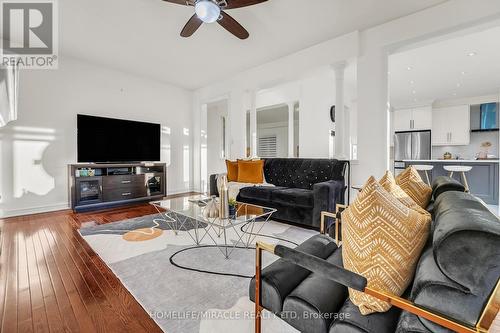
(388, 182)
(411, 182)
(382, 241)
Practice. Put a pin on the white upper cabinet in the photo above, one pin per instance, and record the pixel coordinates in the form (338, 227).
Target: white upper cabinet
(422, 118)
(440, 129)
(451, 126)
(402, 119)
(413, 119)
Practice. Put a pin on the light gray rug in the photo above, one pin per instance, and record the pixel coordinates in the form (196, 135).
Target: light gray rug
(181, 300)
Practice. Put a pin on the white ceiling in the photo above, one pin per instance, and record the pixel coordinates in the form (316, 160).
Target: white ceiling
(460, 67)
(142, 36)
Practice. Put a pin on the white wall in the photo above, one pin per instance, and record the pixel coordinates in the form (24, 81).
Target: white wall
(36, 149)
(281, 94)
(317, 97)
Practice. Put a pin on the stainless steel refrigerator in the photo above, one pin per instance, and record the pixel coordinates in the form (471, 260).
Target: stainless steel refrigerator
(411, 145)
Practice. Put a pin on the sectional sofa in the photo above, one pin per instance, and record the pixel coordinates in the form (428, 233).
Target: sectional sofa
(456, 283)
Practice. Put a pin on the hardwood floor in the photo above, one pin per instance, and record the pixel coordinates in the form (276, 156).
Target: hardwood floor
(52, 281)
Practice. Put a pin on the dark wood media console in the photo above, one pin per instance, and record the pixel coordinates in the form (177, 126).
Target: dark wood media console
(99, 186)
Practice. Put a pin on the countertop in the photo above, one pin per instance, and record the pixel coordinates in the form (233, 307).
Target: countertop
(452, 161)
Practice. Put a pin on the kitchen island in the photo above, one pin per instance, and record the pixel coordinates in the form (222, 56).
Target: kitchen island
(483, 179)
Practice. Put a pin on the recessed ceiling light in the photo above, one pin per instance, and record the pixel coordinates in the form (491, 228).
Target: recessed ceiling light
(454, 94)
(471, 54)
(414, 92)
(415, 99)
(409, 68)
(412, 82)
(458, 85)
(463, 73)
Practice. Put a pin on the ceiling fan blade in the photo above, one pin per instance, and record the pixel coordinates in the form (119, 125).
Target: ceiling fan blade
(231, 25)
(232, 4)
(182, 2)
(191, 26)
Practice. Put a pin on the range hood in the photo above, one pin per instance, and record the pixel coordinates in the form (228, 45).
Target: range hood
(484, 117)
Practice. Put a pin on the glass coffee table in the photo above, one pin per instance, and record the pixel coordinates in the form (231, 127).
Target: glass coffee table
(240, 230)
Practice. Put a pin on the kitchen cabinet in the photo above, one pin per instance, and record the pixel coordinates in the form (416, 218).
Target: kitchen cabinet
(402, 119)
(451, 126)
(413, 119)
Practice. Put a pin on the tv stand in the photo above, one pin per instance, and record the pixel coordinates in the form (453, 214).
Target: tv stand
(101, 186)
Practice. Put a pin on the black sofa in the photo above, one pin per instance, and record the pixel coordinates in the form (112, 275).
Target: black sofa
(455, 277)
(303, 188)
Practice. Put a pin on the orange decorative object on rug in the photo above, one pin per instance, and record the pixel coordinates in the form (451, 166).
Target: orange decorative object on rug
(382, 241)
(411, 182)
(232, 171)
(141, 235)
(251, 172)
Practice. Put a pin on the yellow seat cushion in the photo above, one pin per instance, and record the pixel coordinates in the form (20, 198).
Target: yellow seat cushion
(232, 171)
(251, 172)
(388, 182)
(382, 241)
(411, 182)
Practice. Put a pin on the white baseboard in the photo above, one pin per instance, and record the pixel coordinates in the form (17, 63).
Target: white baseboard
(61, 206)
(34, 210)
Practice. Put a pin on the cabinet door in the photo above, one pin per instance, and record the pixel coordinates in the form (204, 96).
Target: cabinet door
(422, 118)
(459, 120)
(403, 119)
(88, 190)
(482, 181)
(440, 127)
(451, 126)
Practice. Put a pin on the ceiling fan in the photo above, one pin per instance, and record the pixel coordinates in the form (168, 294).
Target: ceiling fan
(210, 11)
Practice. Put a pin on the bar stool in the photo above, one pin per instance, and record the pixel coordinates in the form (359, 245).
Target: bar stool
(462, 169)
(425, 169)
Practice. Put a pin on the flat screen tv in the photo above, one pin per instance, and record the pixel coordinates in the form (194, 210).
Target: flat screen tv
(107, 140)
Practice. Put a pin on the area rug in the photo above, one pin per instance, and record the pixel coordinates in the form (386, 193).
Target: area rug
(147, 256)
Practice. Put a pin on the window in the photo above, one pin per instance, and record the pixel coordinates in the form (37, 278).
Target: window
(223, 136)
(267, 146)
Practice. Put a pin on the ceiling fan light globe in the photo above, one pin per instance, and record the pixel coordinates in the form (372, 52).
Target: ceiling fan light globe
(207, 11)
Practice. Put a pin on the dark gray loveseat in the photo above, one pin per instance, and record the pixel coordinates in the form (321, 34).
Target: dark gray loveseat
(303, 188)
(455, 277)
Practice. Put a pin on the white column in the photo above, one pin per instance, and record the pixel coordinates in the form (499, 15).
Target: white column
(340, 125)
(197, 126)
(291, 128)
(201, 148)
(253, 123)
(237, 125)
(373, 129)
